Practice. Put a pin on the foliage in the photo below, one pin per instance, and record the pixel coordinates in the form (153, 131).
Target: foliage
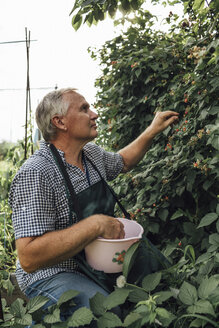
(94, 11)
(13, 158)
(4, 146)
(154, 303)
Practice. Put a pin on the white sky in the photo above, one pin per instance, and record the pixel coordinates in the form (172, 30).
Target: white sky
(59, 56)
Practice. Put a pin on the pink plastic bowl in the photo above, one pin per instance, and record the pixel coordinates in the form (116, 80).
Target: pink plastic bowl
(108, 254)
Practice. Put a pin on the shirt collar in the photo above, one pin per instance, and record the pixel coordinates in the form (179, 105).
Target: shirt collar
(44, 148)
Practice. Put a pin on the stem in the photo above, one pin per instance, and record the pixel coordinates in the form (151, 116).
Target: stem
(198, 316)
(127, 284)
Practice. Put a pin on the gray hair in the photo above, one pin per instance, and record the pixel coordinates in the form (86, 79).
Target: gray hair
(52, 104)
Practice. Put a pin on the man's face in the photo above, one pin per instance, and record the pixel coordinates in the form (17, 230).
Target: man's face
(80, 120)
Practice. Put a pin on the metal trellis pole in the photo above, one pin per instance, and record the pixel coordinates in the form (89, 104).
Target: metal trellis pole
(28, 100)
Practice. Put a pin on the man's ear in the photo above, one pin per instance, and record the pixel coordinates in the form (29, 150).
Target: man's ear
(59, 122)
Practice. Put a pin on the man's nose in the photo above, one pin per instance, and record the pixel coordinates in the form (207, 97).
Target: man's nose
(94, 115)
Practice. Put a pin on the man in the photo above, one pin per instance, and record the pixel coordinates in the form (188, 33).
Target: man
(47, 236)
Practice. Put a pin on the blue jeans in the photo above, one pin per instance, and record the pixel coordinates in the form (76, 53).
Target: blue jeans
(56, 285)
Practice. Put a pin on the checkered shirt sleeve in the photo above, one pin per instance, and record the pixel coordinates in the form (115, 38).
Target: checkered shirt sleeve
(33, 207)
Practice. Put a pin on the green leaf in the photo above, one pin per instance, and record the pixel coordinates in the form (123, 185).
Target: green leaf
(203, 258)
(188, 294)
(138, 72)
(129, 259)
(66, 296)
(36, 303)
(131, 318)
(151, 281)
(17, 308)
(164, 316)
(215, 142)
(214, 110)
(189, 251)
(116, 298)
(7, 284)
(196, 323)
(214, 296)
(54, 317)
(177, 215)
(89, 19)
(109, 320)
(217, 226)
(26, 320)
(76, 21)
(163, 214)
(135, 4)
(136, 295)
(207, 286)
(86, 3)
(81, 317)
(96, 304)
(125, 5)
(207, 220)
(112, 10)
(207, 184)
(201, 306)
(162, 296)
(214, 239)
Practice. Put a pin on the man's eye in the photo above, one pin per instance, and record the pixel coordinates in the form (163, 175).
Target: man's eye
(85, 108)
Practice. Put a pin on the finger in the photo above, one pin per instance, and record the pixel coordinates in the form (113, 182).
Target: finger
(166, 113)
(122, 233)
(171, 121)
(170, 113)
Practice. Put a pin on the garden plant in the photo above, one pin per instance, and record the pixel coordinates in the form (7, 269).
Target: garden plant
(174, 192)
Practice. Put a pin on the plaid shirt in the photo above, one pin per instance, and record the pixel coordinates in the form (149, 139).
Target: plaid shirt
(39, 203)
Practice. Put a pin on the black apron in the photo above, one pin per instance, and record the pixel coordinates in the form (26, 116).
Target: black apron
(99, 198)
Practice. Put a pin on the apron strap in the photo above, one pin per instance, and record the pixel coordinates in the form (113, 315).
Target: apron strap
(69, 188)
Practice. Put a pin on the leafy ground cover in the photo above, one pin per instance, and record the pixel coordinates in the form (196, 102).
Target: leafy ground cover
(173, 192)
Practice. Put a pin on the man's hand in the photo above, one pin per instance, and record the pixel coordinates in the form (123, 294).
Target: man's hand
(110, 228)
(135, 151)
(161, 121)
